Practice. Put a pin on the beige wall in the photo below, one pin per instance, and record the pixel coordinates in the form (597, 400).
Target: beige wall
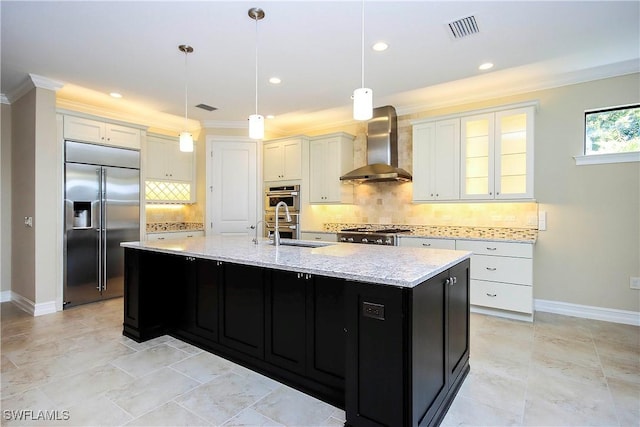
(592, 243)
(23, 126)
(35, 171)
(5, 199)
(48, 163)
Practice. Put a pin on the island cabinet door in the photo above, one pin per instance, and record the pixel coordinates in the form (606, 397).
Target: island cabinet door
(326, 331)
(242, 309)
(376, 369)
(145, 295)
(428, 374)
(199, 283)
(285, 320)
(458, 319)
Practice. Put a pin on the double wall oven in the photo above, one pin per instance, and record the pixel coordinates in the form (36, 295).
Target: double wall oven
(290, 195)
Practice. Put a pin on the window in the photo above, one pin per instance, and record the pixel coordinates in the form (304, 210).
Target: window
(611, 135)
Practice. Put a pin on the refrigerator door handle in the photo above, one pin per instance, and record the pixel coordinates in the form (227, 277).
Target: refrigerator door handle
(103, 201)
(99, 230)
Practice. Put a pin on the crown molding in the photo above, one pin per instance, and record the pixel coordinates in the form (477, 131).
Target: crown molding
(45, 82)
(541, 82)
(32, 81)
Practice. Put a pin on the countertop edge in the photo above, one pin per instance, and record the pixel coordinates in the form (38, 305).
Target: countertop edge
(435, 269)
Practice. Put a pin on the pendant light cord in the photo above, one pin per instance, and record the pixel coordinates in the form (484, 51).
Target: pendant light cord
(362, 47)
(186, 89)
(256, 19)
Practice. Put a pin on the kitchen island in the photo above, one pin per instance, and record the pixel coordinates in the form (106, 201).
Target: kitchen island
(380, 331)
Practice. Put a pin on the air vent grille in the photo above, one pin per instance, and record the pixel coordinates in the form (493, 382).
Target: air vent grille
(464, 27)
(206, 107)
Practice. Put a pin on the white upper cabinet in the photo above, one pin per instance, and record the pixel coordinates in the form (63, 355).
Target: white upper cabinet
(165, 161)
(282, 159)
(436, 160)
(497, 155)
(330, 157)
(99, 132)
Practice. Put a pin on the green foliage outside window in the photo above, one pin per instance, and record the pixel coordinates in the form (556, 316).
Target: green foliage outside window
(615, 130)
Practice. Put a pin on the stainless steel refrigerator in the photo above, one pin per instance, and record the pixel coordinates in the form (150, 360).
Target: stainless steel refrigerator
(102, 209)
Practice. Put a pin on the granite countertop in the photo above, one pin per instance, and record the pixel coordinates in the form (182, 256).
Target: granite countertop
(385, 265)
(498, 234)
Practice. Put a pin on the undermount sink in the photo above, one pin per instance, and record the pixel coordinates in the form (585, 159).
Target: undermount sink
(303, 244)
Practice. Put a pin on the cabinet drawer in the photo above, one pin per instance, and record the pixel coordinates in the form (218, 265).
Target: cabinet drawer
(502, 269)
(502, 295)
(323, 237)
(169, 235)
(426, 242)
(483, 247)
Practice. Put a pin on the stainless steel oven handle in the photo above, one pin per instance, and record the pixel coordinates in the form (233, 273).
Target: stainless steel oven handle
(282, 193)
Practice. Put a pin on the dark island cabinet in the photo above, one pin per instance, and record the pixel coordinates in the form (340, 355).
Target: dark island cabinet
(241, 308)
(146, 307)
(305, 326)
(197, 290)
(391, 356)
(407, 350)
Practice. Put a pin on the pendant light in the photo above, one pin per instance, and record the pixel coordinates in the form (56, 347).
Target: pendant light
(256, 121)
(186, 139)
(362, 97)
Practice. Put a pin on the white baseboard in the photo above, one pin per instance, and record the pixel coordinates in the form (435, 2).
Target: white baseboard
(30, 307)
(588, 312)
(5, 296)
(502, 313)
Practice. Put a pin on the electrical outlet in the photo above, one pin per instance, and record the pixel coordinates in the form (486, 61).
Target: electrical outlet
(634, 282)
(28, 221)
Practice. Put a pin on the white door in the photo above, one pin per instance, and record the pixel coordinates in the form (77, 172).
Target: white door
(232, 196)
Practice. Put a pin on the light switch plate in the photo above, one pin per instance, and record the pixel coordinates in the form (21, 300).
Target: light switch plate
(542, 220)
(634, 282)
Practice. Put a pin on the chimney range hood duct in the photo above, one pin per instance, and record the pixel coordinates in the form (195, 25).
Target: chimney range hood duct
(382, 150)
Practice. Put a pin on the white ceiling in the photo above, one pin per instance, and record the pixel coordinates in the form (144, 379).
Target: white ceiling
(314, 47)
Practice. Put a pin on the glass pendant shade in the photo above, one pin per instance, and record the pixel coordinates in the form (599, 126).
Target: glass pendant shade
(186, 142)
(256, 126)
(362, 103)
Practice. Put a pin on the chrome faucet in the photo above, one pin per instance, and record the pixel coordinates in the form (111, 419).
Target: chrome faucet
(276, 233)
(255, 227)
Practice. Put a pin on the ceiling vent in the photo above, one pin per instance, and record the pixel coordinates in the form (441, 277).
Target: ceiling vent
(206, 107)
(463, 27)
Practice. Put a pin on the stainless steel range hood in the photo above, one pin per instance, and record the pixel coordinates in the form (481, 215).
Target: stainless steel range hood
(382, 150)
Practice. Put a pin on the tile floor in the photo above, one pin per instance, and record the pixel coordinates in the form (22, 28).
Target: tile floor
(558, 371)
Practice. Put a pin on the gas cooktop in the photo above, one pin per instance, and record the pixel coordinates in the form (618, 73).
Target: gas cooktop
(381, 236)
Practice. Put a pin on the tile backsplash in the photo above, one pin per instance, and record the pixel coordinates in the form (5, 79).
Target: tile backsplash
(173, 213)
(390, 203)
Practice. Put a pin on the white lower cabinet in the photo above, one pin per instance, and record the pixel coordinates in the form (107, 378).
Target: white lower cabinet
(322, 237)
(501, 276)
(169, 235)
(426, 242)
(504, 296)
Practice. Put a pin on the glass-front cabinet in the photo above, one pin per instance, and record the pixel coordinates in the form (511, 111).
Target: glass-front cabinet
(497, 155)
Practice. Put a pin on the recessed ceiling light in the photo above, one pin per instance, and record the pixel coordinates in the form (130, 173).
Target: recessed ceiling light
(115, 95)
(380, 46)
(275, 80)
(485, 66)
(270, 116)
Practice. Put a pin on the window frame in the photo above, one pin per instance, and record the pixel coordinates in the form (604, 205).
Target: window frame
(604, 158)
